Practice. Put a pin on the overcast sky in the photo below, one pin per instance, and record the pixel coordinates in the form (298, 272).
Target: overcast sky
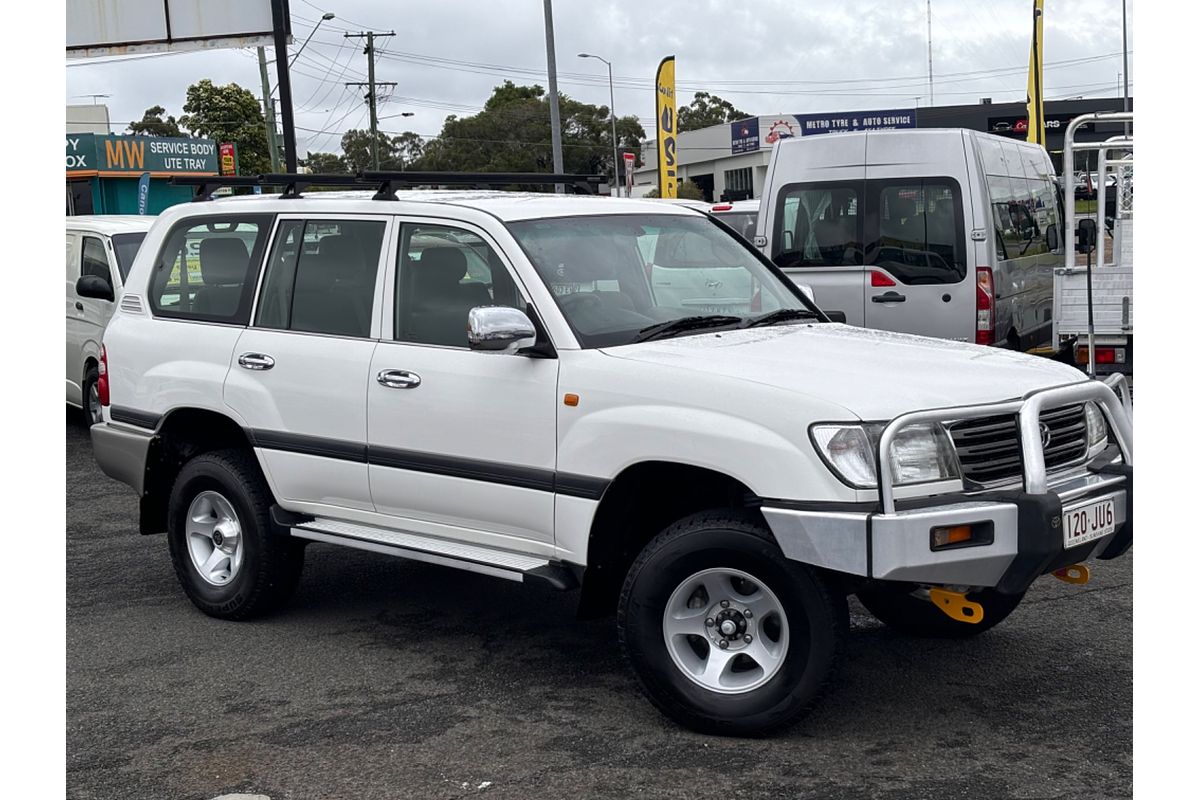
(767, 57)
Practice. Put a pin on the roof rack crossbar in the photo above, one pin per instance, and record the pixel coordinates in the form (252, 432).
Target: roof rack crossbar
(386, 182)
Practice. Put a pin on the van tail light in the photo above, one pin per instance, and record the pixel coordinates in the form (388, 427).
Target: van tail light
(102, 381)
(1104, 355)
(722, 207)
(985, 306)
(878, 279)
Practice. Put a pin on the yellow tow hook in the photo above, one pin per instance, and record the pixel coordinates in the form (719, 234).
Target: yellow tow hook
(1077, 574)
(956, 606)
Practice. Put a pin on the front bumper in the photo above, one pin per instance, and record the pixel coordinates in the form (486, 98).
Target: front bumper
(892, 541)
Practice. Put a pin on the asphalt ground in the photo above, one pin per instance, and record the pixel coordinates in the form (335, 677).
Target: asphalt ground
(391, 679)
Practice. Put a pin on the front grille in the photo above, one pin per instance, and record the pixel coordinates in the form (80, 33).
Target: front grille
(989, 449)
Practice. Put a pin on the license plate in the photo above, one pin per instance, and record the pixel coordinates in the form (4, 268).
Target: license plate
(1088, 522)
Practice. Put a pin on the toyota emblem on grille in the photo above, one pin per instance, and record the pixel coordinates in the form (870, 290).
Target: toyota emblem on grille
(1045, 434)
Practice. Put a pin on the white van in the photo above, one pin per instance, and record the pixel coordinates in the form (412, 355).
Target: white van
(949, 233)
(99, 249)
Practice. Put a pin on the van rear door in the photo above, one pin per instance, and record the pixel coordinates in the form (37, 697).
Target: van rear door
(918, 201)
(816, 219)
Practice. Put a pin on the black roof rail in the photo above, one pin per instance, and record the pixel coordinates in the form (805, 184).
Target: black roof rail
(386, 182)
(389, 180)
(205, 184)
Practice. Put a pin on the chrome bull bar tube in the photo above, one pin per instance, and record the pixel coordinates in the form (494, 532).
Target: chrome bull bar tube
(1028, 410)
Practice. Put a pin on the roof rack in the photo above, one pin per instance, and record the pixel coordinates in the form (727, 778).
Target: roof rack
(386, 183)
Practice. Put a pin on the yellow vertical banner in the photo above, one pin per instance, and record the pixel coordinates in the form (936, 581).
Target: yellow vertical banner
(1035, 113)
(664, 107)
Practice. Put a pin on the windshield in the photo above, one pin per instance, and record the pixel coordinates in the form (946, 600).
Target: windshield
(615, 276)
(126, 245)
(741, 221)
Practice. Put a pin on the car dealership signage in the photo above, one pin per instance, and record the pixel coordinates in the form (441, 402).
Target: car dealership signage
(129, 156)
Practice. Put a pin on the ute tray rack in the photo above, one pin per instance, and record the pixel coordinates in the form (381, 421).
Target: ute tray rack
(386, 183)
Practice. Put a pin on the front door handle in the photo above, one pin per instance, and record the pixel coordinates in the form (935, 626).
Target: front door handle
(398, 379)
(78, 306)
(888, 297)
(255, 361)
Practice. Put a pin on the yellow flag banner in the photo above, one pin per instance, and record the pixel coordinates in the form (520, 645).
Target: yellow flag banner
(1035, 113)
(664, 107)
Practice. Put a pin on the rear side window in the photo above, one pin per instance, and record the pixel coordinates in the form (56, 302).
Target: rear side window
(126, 245)
(208, 267)
(820, 226)
(920, 231)
(321, 277)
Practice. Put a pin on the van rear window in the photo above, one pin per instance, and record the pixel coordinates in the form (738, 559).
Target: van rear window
(911, 227)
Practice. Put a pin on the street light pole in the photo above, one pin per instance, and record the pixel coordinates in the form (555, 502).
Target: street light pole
(328, 15)
(612, 110)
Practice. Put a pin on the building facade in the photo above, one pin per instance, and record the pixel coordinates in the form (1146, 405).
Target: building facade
(104, 171)
(730, 161)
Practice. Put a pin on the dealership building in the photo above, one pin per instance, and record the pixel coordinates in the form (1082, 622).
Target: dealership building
(113, 174)
(730, 161)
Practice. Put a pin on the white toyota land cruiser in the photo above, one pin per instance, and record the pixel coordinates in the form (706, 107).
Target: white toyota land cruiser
(507, 383)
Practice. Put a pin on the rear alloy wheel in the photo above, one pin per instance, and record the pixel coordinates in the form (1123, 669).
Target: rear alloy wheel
(725, 634)
(226, 556)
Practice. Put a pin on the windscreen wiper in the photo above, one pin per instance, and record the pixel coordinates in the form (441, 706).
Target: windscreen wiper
(664, 330)
(782, 315)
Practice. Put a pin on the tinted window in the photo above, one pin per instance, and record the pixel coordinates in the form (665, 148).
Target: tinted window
(444, 273)
(821, 226)
(95, 260)
(321, 277)
(920, 231)
(613, 276)
(741, 221)
(207, 268)
(126, 245)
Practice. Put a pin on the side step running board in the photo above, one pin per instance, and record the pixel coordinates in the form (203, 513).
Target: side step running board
(459, 555)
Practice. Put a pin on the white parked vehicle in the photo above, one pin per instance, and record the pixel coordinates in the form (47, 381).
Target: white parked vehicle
(741, 215)
(100, 250)
(722, 480)
(947, 233)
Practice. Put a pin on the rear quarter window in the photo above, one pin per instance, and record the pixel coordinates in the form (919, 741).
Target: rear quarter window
(208, 267)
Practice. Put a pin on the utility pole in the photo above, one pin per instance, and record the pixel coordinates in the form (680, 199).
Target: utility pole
(268, 111)
(552, 72)
(929, 38)
(371, 84)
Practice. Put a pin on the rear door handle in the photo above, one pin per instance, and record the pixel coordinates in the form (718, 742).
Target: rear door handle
(888, 297)
(78, 306)
(255, 361)
(398, 379)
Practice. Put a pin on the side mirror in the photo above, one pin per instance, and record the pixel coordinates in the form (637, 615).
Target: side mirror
(835, 316)
(95, 287)
(1085, 236)
(1052, 241)
(499, 329)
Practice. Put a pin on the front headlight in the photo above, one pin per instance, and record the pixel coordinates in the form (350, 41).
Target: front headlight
(1097, 429)
(920, 453)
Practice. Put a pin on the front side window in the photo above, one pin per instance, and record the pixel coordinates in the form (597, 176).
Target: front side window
(920, 231)
(208, 266)
(321, 276)
(95, 260)
(443, 273)
(821, 226)
(615, 278)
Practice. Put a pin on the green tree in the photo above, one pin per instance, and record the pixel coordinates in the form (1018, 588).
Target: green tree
(153, 124)
(395, 152)
(229, 114)
(687, 190)
(325, 163)
(512, 134)
(706, 110)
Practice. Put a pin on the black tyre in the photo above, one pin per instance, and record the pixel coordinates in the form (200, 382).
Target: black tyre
(225, 555)
(91, 398)
(719, 577)
(899, 606)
